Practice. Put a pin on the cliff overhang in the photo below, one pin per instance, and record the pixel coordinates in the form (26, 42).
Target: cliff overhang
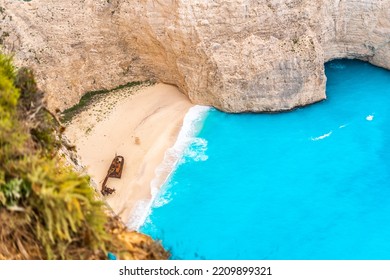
(237, 56)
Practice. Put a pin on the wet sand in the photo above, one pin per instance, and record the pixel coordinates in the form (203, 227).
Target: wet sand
(139, 125)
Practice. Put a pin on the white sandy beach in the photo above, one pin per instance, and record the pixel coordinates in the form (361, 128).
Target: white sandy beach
(138, 125)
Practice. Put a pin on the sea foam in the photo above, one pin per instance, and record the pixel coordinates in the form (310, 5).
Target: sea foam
(184, 144)
(322, 136)
(197, 149)
(268, 191)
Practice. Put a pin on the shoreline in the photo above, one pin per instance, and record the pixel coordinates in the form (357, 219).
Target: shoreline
(170, 162)
(140, 124)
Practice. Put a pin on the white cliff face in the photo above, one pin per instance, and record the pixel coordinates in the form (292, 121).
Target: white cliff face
(243, 55)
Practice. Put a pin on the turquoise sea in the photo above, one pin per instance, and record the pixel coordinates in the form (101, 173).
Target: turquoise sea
(313, 183)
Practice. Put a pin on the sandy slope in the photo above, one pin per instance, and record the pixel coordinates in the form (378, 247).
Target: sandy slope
(139, 125)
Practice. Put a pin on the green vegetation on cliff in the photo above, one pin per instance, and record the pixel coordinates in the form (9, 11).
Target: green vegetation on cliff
(47, 210)
(90, 97)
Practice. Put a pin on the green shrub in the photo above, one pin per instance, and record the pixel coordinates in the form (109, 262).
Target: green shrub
(88, 98)
(47, 211)
(58, 203)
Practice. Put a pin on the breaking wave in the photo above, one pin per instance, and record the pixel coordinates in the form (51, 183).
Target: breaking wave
(197, 150)
(322, 136)
(186, 145)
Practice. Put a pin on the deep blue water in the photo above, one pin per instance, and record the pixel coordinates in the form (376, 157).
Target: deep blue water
(308, 184)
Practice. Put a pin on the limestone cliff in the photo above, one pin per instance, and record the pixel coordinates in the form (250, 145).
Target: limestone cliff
(244, 55)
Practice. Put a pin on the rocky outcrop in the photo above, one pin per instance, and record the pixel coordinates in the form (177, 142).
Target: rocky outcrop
(243, 55)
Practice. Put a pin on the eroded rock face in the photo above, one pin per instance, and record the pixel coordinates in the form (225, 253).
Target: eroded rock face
(243, 55)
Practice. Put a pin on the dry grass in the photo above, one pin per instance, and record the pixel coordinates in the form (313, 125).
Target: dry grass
(47, 210)
(17, 242)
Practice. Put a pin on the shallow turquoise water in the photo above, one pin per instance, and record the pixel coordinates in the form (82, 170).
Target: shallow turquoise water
(308, 184)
